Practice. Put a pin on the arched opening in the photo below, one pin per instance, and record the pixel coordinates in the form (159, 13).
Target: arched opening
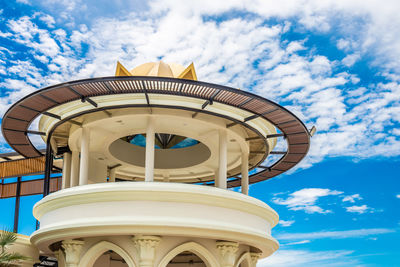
(110, 259)
(106, 254)
(186, 258)
(189, 254)
(244, 260)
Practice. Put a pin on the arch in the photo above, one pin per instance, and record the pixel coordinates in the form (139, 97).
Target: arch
(244, 257)
(204, 254)
(98, 249)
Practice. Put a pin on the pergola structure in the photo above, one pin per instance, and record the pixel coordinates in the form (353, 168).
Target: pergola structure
(155, 123)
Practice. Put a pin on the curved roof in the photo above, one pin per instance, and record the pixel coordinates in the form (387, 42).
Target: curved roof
(18, 118)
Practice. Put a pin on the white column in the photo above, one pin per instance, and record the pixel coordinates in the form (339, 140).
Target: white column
(66, 171)
(245, 173)
(72, 249)
(222, 170)
(216, 179)
(149, 163)
(74, 168)
(111, 177)
(84, 168)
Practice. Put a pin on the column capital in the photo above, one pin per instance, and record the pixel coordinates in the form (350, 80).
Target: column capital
(227, 251)
(146, 247)
(72, 249)
(254, 256)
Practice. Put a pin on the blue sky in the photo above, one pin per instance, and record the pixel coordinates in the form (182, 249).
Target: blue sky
(333, 63)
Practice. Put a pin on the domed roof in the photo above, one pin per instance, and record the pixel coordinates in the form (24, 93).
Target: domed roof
(159, 69)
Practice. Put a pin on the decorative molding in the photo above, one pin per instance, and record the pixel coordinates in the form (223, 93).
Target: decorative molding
(146, 247)
(254, 256)
(227, 251)
(72, 249)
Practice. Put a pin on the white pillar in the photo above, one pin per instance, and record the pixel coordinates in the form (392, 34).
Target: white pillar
(245, 173)
(111, 177)
(74, 168)
(66, 171)
(222, 168)
(84, 168)
(216, 179)
(149, 163)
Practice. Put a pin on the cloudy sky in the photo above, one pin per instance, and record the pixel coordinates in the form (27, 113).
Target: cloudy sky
(335, 64)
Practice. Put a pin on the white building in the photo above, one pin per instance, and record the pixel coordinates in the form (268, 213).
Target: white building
(148, 156)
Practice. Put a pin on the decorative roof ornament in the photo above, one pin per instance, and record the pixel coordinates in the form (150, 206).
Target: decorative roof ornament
(159, 69)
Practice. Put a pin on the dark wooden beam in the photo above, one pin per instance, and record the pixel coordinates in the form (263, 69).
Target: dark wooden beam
(36, 132)
(49, 98)
(145, 93)
(17, 204)
(231, 124)
(115, 166)
(252, 138)
(47, 168)
(211, 100)
(245, 102)
(108, 87)
(277, 152)
(286, 122)
(74, 91)
(17, 119)
(90, 101)
(275, 135)
(76, 123)
(252, 117)
(52, 115)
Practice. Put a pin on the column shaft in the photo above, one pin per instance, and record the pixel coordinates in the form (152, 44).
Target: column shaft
(149, 163)
(216, 179)
(84, 168)
(66, 171)
(74, 168)
(111, 178)
(245, 173)
(222, 170)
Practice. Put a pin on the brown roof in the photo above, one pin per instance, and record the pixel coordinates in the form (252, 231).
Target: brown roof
(17, 119)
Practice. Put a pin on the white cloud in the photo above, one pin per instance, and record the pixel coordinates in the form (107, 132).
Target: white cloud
(49, 20)
(296, 243)
(350, 122)
(398, 195)
(284, 223)
(359, 233)
(358, 209)
(352, 198)
(305, 199)
(290, 257)
(351, 59)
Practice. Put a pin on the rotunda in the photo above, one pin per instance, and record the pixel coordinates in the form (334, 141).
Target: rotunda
(148, 160)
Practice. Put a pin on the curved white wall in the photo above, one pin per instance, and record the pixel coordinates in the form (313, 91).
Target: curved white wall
(161, 209)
